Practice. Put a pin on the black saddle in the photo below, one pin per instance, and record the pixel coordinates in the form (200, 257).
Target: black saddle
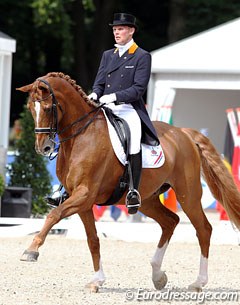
(123, 132)
(122, 129)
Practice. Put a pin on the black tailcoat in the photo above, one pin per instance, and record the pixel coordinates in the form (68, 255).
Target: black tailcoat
(127, 76)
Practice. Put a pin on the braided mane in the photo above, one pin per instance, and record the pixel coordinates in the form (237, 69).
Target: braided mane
(75, 86)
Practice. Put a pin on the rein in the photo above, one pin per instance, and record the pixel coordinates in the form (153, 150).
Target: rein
(97, 110)
(53, 130)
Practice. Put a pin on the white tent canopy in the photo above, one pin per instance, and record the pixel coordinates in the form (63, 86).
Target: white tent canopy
(7, 47)
(204, 62)
(213, 51)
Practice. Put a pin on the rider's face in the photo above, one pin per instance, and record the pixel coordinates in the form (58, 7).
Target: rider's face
(123, 34)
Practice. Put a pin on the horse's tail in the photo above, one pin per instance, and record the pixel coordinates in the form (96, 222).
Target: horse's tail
(217, 176)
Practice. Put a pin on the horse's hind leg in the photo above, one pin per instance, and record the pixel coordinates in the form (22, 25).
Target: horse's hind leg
(168, 220)
(191, 205)
(94, 247)
(203, 230)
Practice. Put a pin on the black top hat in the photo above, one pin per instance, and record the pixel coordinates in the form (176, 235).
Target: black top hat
(124, 19)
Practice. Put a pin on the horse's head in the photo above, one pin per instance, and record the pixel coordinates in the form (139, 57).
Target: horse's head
(57, 105)
(46, 112)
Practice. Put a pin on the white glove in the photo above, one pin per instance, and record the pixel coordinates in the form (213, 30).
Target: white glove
(92, 96)
(108, 98)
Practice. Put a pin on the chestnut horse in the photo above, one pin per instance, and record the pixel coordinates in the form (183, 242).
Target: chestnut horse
(89, 171)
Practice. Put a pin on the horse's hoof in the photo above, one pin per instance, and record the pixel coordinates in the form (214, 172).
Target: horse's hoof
(93, 287)
(195, 288)
(161, 282)
(29, 256)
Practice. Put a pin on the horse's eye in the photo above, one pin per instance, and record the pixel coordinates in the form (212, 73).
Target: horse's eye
(43, 89)
(47, 108)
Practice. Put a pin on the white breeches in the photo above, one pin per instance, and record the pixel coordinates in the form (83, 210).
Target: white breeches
(129, 114)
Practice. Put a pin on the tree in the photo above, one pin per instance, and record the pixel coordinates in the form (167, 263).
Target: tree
(205, 14)
(2, 186)
(29, 169)
(177, 20)
(70, 35)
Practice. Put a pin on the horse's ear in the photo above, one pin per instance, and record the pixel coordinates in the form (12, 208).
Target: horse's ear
(26, 88)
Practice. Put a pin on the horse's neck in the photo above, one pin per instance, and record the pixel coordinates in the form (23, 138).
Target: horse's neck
(79, 115)
(97, 129)
(77, 107)
(74, 109)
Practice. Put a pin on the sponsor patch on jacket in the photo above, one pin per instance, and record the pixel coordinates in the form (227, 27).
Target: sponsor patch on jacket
(129, 67)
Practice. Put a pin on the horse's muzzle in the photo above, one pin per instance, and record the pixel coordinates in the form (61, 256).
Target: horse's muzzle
(44, 147)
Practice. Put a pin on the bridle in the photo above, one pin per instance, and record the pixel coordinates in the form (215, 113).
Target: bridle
(53, 130)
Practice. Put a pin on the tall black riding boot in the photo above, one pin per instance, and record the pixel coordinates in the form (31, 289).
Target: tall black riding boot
(133, 200)
(55, 202)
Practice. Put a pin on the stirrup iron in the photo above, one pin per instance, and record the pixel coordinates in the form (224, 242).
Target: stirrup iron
(133, 201)
(137, 199)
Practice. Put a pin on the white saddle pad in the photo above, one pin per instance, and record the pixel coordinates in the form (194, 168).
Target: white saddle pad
(152, 156)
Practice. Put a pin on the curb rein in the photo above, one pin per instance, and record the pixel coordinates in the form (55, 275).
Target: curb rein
(53, 130)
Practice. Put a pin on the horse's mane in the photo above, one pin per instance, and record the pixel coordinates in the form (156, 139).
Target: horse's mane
(75, 86)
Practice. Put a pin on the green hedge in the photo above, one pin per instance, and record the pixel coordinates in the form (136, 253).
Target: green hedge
(2, 185)
(28, 168)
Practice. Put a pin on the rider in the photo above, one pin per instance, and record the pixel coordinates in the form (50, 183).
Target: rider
(120, 83)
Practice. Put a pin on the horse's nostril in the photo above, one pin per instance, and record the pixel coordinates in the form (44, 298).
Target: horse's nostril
(47, 149)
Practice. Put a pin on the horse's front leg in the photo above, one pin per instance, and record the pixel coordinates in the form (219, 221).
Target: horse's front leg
(71, 206)
(98, 279)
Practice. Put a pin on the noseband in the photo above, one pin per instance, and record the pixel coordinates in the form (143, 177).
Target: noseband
(53, 129)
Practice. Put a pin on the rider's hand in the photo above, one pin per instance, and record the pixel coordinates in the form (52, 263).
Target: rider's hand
(108, 98)
(92, 96)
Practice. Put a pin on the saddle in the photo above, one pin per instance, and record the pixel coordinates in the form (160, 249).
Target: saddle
(123, 132)
(122, 129)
